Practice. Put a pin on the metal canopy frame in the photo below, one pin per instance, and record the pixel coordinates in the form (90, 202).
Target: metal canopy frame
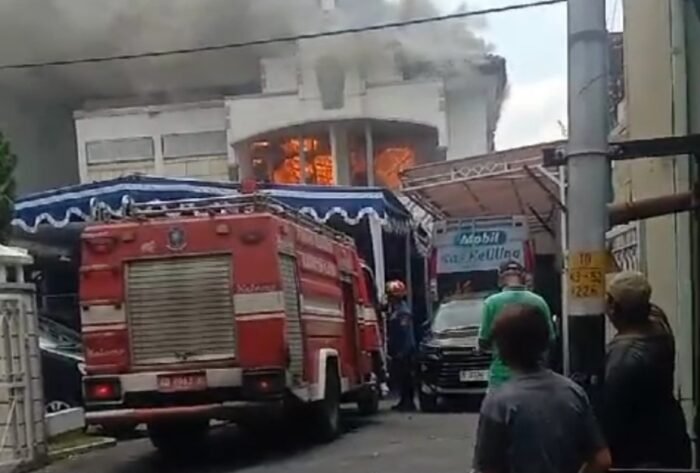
(517, 175)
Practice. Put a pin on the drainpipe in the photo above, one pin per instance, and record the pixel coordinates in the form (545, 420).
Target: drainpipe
(682, 222)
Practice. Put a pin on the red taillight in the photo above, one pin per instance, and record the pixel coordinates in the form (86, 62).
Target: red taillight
(100, 245)
(252, 237)
(102, 390)
(263, 383)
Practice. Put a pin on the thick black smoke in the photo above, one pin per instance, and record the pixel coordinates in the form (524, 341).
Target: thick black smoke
(44, 30)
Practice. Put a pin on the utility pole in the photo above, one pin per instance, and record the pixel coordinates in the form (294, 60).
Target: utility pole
(589, 173)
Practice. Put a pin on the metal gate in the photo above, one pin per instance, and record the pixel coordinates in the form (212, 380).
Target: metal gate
(22, 430)
(293, 332)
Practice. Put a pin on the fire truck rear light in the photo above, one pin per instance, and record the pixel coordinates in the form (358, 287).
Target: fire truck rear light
(264, 383)
(101, 244)
(128, 237)
(252, 237)
(223, 229)
(103, 390)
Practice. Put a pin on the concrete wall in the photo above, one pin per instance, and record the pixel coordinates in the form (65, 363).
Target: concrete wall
(693, 68)
(43, 138)
(693, 65)
(295, 91)
(468, 127)
(154, 123)
(459, 108)
(412, 102)
(650, 72)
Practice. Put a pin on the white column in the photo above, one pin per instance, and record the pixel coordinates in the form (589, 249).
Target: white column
(159, 164)
(375, 230)
(333, 136)
(369, 151)
(240, 161)
(341, 154)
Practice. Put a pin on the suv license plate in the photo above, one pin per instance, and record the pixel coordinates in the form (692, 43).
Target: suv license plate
(479, 375)
(182, 382)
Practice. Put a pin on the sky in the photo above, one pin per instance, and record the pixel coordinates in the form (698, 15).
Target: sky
(534, 44)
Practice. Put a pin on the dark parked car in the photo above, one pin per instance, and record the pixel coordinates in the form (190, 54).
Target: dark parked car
(61, 365)
(450, 363)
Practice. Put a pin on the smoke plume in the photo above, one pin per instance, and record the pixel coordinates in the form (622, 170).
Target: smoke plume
(45, 30)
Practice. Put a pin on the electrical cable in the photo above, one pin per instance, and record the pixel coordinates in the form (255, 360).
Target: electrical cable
(281, 39)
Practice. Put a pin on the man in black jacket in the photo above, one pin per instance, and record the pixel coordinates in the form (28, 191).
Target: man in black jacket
(643, 421)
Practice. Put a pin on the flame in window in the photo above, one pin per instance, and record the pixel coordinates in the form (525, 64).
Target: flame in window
(280, 163)
(319, 163)
(389, 164)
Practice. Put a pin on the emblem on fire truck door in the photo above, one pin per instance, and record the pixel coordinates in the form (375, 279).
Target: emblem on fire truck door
(176, 239)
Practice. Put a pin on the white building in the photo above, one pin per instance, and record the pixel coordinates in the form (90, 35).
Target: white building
(343, 113)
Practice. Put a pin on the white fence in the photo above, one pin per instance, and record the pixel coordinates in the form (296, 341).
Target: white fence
(22, 431)
(625, 246)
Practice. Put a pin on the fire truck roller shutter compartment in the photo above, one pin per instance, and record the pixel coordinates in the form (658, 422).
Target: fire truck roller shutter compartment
(295, 337)
(180, 309)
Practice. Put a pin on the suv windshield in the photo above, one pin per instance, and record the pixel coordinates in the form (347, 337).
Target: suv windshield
(57, 337)
(458, 314)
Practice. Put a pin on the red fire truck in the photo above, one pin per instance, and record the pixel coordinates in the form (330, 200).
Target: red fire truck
(229, 308)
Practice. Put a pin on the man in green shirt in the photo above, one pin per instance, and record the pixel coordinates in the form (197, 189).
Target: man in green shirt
(512, 278)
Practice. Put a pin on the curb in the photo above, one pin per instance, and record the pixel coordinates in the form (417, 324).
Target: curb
(98, 444)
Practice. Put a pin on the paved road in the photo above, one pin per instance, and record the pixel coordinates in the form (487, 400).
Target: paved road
(396, 443)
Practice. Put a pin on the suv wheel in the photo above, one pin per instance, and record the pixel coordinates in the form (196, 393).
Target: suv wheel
(58, 405)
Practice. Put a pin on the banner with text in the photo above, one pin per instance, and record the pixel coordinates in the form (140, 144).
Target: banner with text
(477, 245)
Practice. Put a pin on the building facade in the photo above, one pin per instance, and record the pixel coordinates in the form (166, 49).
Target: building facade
(662, 98)
(313, 121)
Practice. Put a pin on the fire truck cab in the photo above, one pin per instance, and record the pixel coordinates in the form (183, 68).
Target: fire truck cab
(228, 308)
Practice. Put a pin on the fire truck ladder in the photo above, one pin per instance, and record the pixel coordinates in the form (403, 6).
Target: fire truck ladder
(232, 205)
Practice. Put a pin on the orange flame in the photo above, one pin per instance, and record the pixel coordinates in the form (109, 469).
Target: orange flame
(389, 164)
(319, 165)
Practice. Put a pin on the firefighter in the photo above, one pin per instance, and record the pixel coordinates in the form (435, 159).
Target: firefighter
(402, 344)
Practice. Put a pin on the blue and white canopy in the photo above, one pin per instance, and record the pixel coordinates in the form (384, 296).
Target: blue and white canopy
(60, 207)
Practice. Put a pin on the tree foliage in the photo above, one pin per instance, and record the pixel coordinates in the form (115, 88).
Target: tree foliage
(8, 161)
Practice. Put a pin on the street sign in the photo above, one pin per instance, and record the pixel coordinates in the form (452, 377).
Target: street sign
(587, 275)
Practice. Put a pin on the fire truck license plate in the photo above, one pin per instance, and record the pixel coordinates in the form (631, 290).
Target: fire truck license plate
(467, 376)
(182, 382)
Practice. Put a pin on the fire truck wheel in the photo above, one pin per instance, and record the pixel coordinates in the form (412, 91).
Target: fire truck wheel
(176, 438)
(368, 403)
(326, 413)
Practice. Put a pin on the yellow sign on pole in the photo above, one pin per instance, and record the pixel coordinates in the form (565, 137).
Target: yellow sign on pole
(587, 274)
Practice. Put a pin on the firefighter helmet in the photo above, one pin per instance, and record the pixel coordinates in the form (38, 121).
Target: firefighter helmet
(396, 288)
